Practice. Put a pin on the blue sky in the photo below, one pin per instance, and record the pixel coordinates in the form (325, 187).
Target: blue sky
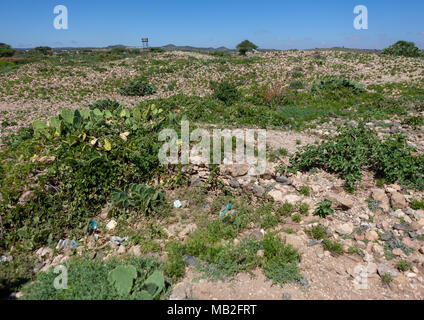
(277, 24)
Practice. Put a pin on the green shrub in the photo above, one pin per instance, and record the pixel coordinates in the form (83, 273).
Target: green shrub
(138, 87)
(333, 84)
(90, 160)
(404, 265)
(415, 121)
(333, 246)
(403, 48)
(357, 147)
(139, 197)
(296, 84)
(226, 92)
(281, 260)
(286, 209)
(317, 232)
(297, 218)
(304, 208)
(105, 105)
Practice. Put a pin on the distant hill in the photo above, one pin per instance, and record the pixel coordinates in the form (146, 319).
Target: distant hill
(172, 47)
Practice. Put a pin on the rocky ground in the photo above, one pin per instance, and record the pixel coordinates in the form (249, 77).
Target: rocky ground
(370, 230)
(376, 225)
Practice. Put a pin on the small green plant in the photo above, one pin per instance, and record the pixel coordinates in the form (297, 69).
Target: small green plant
(333, 246)
(386, 279)
(404, 265)
(296, 84)
(138, 196)
(105, 105)
(304, 209)
(417, 204)
(356, 251)
(324, 209)
(305, 191)
(318, 232)
(286, 209)
(297, 218)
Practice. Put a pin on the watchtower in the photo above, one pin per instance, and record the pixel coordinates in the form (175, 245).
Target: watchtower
(145, 42)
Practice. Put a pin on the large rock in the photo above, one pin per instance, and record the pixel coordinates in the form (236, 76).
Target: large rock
(26, 197)
(136, 251)
(44, 253)
(340, 201)
(258, 190)
(283, 180)
(111, 225)
(345, 229)
(182, 291)
(398, 200)
(277, 195)
(239, 170)
(380, 196)
(292, 198)
(384, 269)
(296, 241)
(371, 235)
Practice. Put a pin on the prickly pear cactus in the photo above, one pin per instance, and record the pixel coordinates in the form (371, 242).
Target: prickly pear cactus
(122, 278)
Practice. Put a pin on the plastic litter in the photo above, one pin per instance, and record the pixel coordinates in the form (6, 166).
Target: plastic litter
(118, 240)
(177, 204)
(93, 227)
(205, 207)
(312, 243)
(3, 259)
(227, 210)
(66, 244)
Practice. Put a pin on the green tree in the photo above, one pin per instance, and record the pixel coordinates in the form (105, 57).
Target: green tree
(47, 51)
(246, 46)
(6, 50)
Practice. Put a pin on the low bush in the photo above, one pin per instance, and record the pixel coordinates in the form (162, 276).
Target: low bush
(403, 48)
(226, 92)
(138, 87)
(334, 84)
(356, 148)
